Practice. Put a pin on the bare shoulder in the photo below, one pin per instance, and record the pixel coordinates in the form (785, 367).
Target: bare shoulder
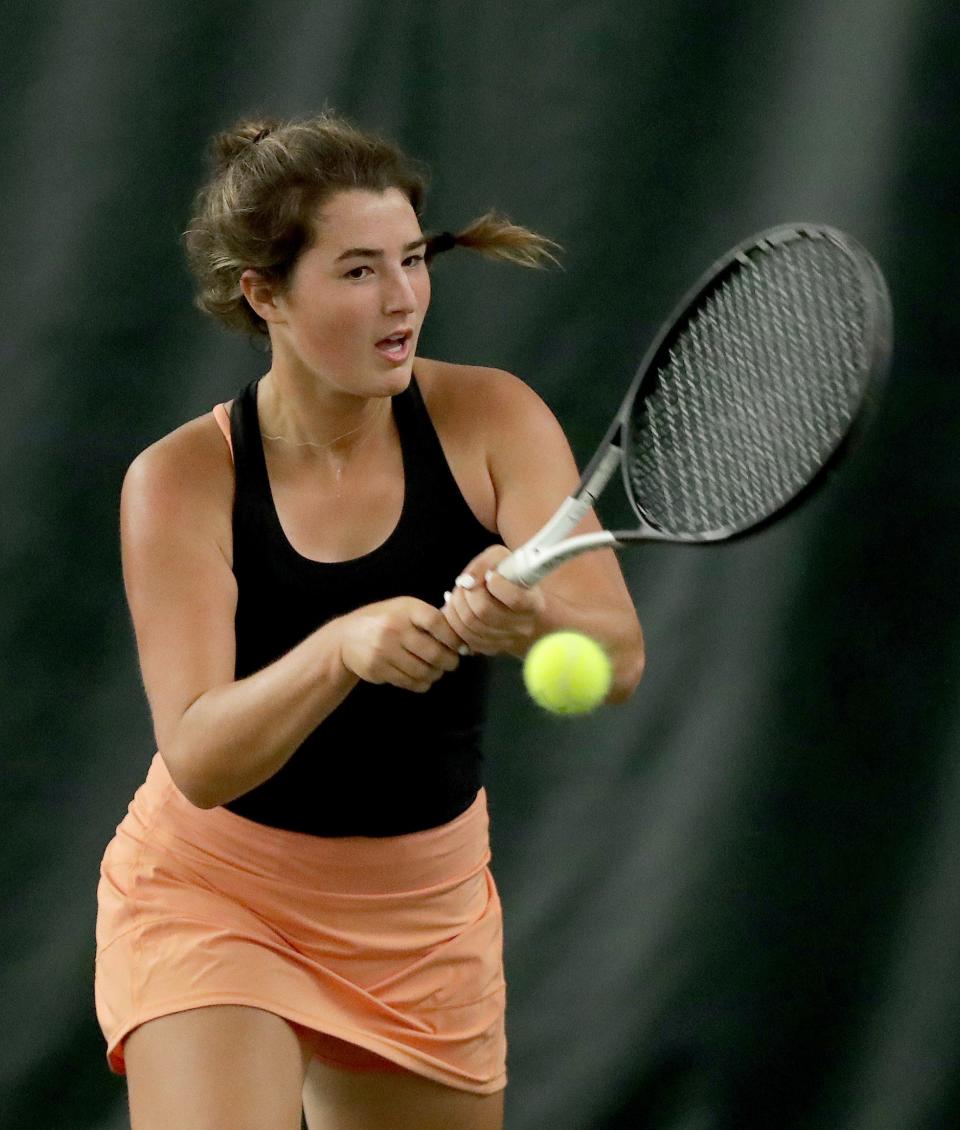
(185, 477)
(475, 397)
(497, 422)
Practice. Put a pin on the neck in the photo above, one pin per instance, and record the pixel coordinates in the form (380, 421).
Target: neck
(328, 425)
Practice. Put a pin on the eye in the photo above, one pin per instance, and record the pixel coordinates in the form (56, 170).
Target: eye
(356, 272)
(413, 260)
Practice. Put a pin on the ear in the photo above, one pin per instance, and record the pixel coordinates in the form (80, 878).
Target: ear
(261, 294)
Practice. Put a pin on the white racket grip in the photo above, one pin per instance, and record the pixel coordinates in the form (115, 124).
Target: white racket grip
(536, 561)
(527, 564)
(519, 566)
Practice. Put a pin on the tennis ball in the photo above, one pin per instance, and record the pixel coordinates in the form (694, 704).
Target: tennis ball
(567, 673)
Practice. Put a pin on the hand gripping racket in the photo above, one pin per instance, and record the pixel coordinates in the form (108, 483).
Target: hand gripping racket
(750, 391)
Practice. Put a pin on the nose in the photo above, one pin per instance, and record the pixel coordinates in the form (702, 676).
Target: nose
(399, 297)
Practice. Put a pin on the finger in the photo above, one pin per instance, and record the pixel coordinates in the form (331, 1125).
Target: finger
(395, 676)
(409, 672)
(483, 612)
(465, 581)
(434, 623)
(430, 651)
(472, 575)
(517, 598)
(479, 635)
(454, 610)
(462, 648)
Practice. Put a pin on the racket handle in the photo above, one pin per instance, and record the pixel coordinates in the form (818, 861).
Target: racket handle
(566, 518)
(535, 558)
(532, 562)
(519, 568)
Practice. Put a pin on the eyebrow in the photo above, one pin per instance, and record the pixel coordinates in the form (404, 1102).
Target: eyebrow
(375, 253)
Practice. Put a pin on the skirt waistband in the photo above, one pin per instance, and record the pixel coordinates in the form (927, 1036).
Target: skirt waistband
(351, 865)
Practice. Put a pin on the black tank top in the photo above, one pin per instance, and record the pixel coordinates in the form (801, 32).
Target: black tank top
(386, 761)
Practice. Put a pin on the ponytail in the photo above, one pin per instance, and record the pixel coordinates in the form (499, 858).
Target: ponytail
(496, 237)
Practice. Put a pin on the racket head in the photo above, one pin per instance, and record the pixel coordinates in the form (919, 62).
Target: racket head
(756, 386)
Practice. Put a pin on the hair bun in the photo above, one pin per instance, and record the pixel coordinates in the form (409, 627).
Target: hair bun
(228, 145)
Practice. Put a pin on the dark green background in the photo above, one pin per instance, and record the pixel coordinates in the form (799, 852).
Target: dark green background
(732, 903)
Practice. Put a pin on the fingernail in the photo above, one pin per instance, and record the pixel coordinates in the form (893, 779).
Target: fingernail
(463, 649)
(465, 581)
(488, 575)
(446, 597)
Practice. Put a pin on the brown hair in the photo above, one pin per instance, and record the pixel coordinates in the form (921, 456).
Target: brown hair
(268, 179)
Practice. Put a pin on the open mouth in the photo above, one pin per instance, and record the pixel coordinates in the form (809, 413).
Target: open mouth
(396, 346)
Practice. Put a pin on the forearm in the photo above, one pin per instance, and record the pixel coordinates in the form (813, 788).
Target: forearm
(618, 633)
(235, 737)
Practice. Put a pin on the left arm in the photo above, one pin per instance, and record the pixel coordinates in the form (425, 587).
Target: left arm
(533, 470)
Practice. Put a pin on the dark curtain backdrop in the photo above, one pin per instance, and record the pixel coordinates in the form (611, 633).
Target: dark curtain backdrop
(733, 902)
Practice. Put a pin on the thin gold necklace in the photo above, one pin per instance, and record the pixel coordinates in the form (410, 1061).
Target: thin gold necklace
(326, 443)
(309, 443)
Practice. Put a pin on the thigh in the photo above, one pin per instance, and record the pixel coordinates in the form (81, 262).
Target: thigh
(334, 1099)
(224, 1065)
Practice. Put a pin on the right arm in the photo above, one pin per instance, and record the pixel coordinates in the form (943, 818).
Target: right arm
(221, 737)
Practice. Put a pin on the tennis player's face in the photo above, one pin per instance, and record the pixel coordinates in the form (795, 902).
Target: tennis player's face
(358, 295)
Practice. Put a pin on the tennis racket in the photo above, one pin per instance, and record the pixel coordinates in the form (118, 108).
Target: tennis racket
(749, 393)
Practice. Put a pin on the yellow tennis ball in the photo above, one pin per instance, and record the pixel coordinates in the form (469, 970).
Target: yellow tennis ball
(567, 673)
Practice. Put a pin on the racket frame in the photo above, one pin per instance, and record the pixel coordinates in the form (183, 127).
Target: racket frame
(551, 546)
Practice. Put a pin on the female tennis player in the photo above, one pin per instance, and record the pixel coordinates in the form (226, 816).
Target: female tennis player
(297, 911)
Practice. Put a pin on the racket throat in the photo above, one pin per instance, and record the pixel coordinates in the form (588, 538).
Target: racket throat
(598, 473)
(534, 559)
(531, 562)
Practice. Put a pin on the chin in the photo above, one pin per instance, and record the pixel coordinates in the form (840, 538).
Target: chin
(398, 380)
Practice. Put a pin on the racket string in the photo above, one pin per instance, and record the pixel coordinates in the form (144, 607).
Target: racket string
(753, 393)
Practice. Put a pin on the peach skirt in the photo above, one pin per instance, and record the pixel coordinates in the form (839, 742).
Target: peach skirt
(386, 953)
